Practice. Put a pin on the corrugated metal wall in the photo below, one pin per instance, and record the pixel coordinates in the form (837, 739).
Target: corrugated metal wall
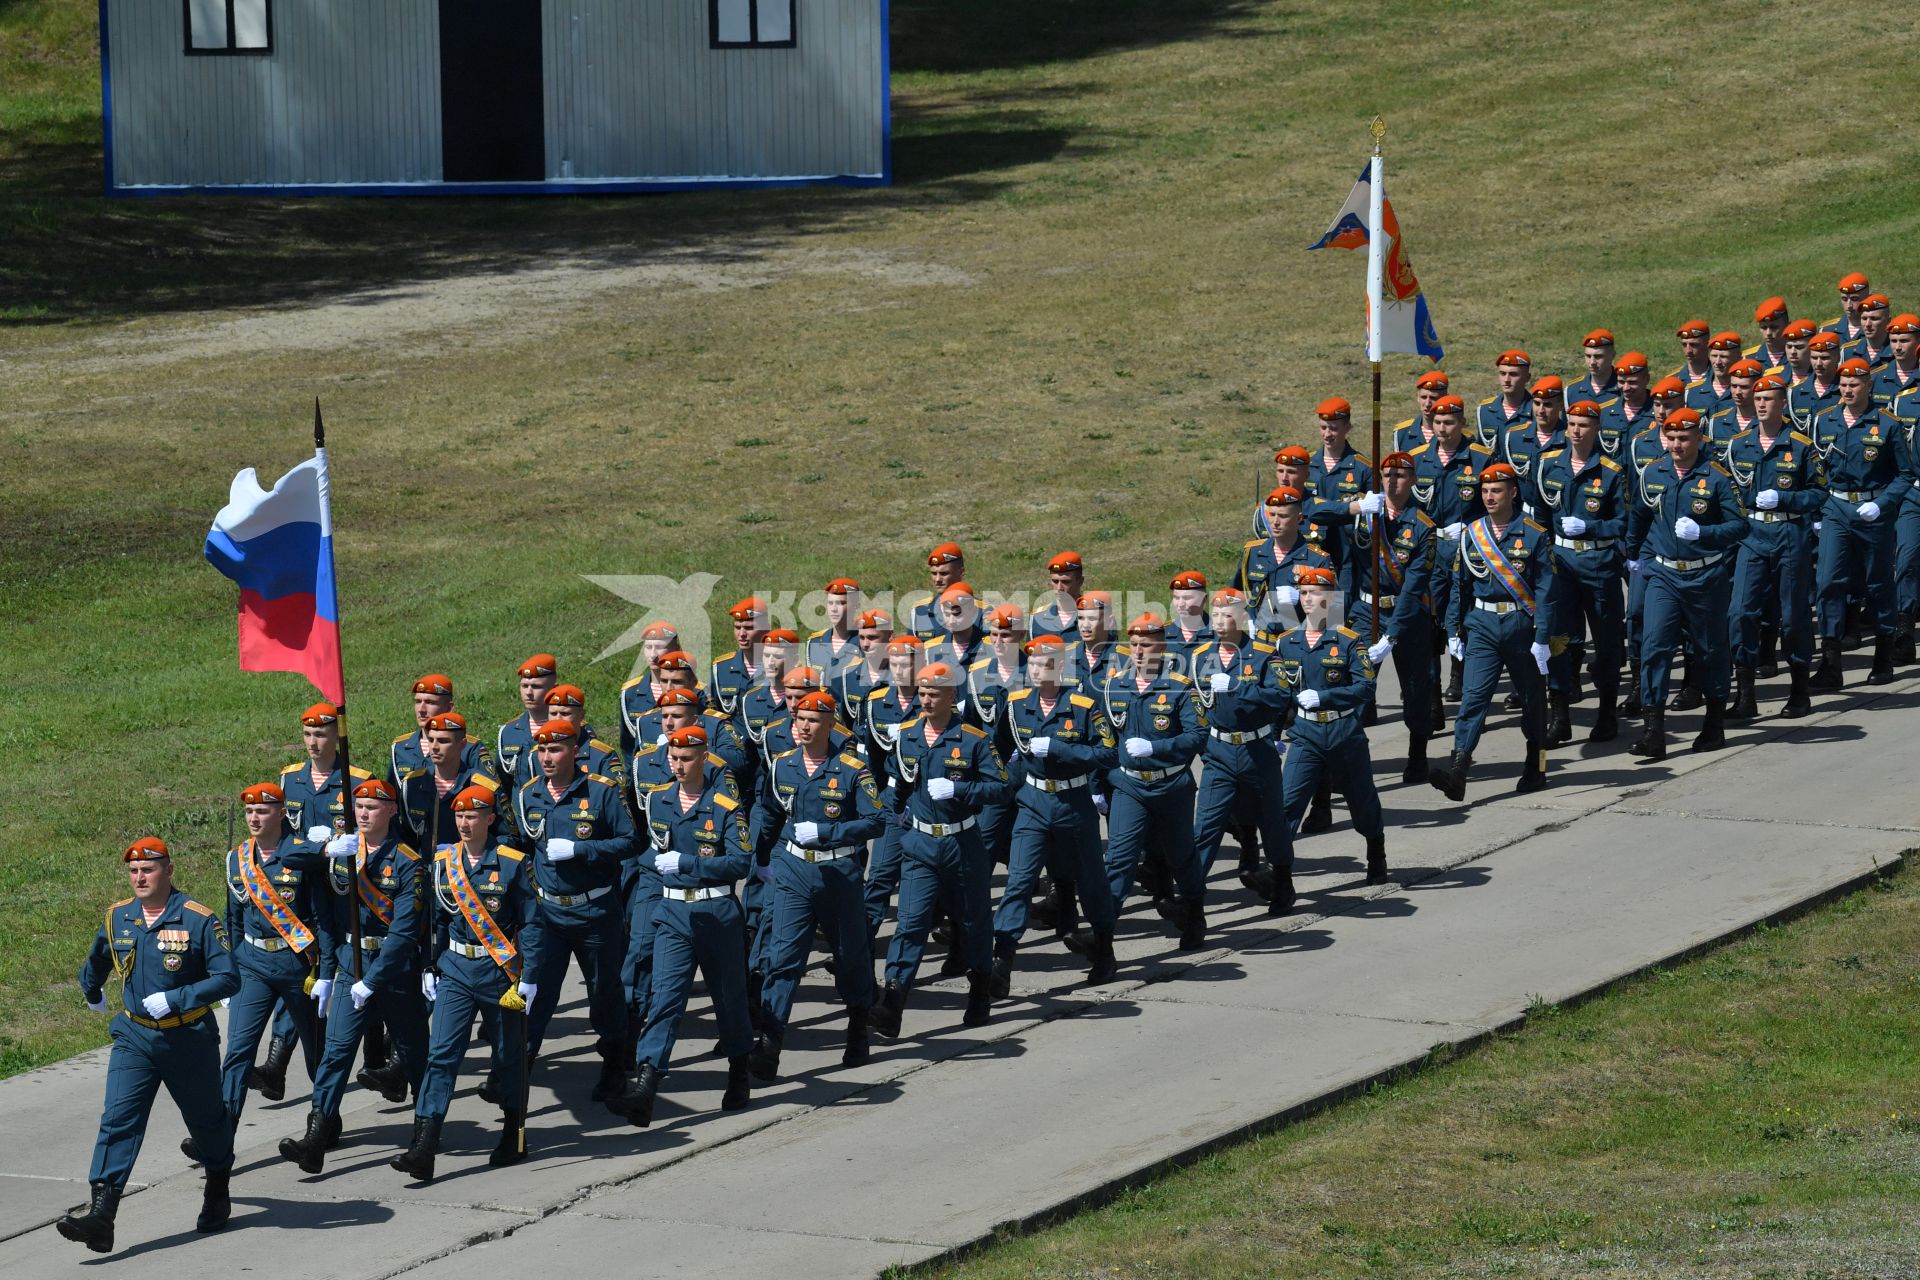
(351, 93)
(634, 91)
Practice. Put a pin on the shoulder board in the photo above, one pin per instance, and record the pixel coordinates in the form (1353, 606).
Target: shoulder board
(1535, 526)
(1404, 422)
(509, 853)
(661, 786)
(1742, 435)
(1362, 458)
(1553, 453)
(725, 801)
(848, 758)
(1079, 700)
(1348, 632)
(1798, 438)
(979, 664)
(1419, 449)
(1750, 350)
(402, 738)
(1722, 470)
(602, 778)
(482, 780)
(195, 907)
(408, 852)
(358, 772)
(878, 691)
(629, 684)
(1178, 678)
(1261, 646)
(911, 721)
(532, 782)
(1020, 693)
(815, 635)
(295, 767)
(731, 653)
(975, 730)
(1489, 400)
(604, 746)
(1253, 542)
(1480, 448)
(784, 754)
(126, 901)
(411, 774)
(1608, 464)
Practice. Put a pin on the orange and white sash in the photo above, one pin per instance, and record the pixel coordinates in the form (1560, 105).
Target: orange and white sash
(1488, 546)
(484, 927)
(267, 901)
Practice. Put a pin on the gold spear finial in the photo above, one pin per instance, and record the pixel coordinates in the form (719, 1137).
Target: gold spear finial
(1379, 130)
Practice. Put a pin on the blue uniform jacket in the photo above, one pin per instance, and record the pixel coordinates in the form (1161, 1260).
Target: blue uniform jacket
(394, 871)
(1335, 664)
(1619, 424)
(1807, 400)
(1792, 467)
(186, 954)
(839, 795)
(730, 681)
(1253, 699)
(501, 880)
(1080, 740)
(1706, 495)
(1264, 566)
(711, 838)
(1409, 558)
(1449, 491)
(592, 812)
(297, 875)
(1167, 714)
(1599, 495)
(960, 752)
(1864, 456)
(321, 806)
(1492, 420)
(407, 753)
(1521, 447)
(1529, 549)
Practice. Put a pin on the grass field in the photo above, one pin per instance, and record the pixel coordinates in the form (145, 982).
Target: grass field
(1751, 1114)
(1081, 318)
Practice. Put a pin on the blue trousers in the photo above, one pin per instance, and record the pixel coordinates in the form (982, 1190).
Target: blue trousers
(186, 1060)
(280, 975)
(1231, 776)
(1165, 816)
(711, 935)
(1335, 753)
(1847, 541)
(1772, 583)
(593, 937)
(996, 831)
(1497, 641)
(636, 968)
(805, 893)
(935, 870)
(467, 987)
(1693, 605)
(1906, 560)
(1059, 830)
(883, 877)
(405, 1014)
(1589, 606)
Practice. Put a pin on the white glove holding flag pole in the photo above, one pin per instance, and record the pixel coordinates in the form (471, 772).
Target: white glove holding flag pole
(1541, 655)
(528, 991)
(1379, 649)
(1287, 594)
(1370, 505)
(1452, 532)
(156, 1005)
(361, 993)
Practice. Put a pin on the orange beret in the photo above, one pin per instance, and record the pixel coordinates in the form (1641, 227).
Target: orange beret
(556, 730)
(1494, 472)
(1747, 368)
(958, 591)
(263, 793)
(1728, 341)
(675, 660)
(473, 800)
(1285, 496)
(818, 700)
(782, 635)
(1397, 461)
(566, 695)
(878, 619)
(437, 685)
(1583, 409)
(447, 721)
(1905, 322)
(1189, 580)
(1799, 329)
(1683, 418)
(1549, 384)
(1769, 309)
(376, 789)
(677, 698)
(1047, 641)
(320, 713)
(1853, 282)
(1295, 454)
(751, 609)
(1770, 382)
(936, 673)
(1693, 329)
(1875, 302)
(1094, 600)
(1669, 388)
(1308, 575)
(1432, 380)
(1514, 356)
(1333, 407)
(1008, 616)
(904, 644)
(146, 849)
(1449, 404)
(1147, 624)
(543, 664)
(1598, 338)
(1631, 361)
(1064, 561)
(801, 678)
(1855, 367)
(661, 630)
(843, 587)
(1229, 595)
(1823, 341)
(946, 553)
(694, 735)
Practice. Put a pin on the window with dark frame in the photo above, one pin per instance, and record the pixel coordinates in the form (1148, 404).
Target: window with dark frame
(752, 24)
(217, 28)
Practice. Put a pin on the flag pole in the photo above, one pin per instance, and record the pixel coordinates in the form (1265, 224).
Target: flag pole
(346, 753)
(1376, 271)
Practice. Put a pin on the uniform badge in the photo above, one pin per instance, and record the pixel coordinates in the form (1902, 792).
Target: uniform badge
(1783, 481)
(1700, 506)
(492, 903)
(583, 830)
(1163, 723)
(171, 962)
(493, 877)
(286, 892)
(340, 826)
(1593, 504)
(1519, 548)
(1870, 453)
(831, 809)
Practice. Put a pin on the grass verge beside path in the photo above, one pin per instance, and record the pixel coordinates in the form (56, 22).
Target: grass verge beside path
(1752, 1113)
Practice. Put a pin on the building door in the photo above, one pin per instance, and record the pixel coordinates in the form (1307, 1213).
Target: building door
(492, 116)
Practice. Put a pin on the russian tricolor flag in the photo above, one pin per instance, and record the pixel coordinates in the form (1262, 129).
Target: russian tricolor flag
(1405, 323)
(277, 545)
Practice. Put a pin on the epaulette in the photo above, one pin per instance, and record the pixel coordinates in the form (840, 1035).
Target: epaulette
(879, 690)
(1020, 693)
(1421, 515)
(975, 730)
(910, 722)
(1362, 459)
(1178, 678)
(1419, 449)
(509, 853)
(979, 663)
(1476, 447)
(196, 907)
(1261, 646)
(815, 635)
(636, 680)
(784, 754)
(712, 758)
(1799, 438)
(1403, 424)
(1079, 700)
(418, 771)
(1750, 350)
(1552, 453)
(1348, 632)
(1253, 542)
(731, 653)
(1533, 524)
(1606, 463)
(604, 746)
(848, 758)
(1489, 400)
(1722, 470)
(535, 780)
(725, 801)
(358, 772)
(295, 767)
(402, 738)
(1741, 435)
(408, 852)
(602, 778)
(482, 780)
(124, 901)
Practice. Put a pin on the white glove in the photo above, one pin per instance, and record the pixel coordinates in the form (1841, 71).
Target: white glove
(429, 984)
(1219, 682)
(1687, 529)
(1816, 525)
(940, 788)
(528, 991)
(343, 846)
(1452, 532)
(1456, 648)
(661, 741)
(1868, 511)
(316, 835)
(1371, 505)
(960, 707)
(1139, 748)
(1572, 526)
(100, 1005)
(1287, 594)
(668, 863)
(1633, 566)
(1309, 699)
(321, 990)
(1541, 653)
(1100, 805)
(805, 833)
(1767, 499)
(1379, 649)
(559, 849)
(156, 1005)
(1038, 747)
(361, 993)
(763, 874)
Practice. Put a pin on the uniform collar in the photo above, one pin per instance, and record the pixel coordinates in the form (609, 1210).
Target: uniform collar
(169, 914)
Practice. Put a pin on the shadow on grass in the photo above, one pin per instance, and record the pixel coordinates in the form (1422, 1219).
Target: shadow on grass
(982, 35)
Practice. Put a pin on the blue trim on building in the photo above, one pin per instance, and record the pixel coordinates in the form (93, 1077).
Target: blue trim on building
(106, 105)
(886, 92)
(573, 187)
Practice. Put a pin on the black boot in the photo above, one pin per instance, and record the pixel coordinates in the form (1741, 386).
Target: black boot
(1903, 639)
(269, 1079)
(1533, 775)
(1320, 812)
(1281, 895)
(1691, 696)
(374, 1053)
(1104, 967)
(739, 1084)
(1416, 771)
(215, 1206)
(1631, 707)
(636, 1104)
(489, 1090)
(1744, 707)
(1002, 966)
(1376, 859)
(512, 1148)
(979, 999)
(1652, 742)
(885, 1019)
(94, 1228)
(1513, 701)
(1882, 672)
(1606, 725)
(1046, 909)
(1769, 665)
(856, 1052)
(390, 1081)
(1577, 657)
(191, 1149)
(1798, 704)
(1827, 674)
(1249, 844)
(1436, 711)
(1559, 719)
(1450, 779)
(1713, 734)
(417, 1159)
(1193, 928)
(1456, 672)
(1854, 629)
(612, 1075)
(763, 1060)
(309, 1151)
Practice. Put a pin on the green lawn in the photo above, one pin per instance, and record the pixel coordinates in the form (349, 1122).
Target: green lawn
(1083, 317)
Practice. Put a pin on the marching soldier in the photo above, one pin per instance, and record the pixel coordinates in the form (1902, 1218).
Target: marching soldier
(1340, 474)
(1066, 580)
(1781, 481)
(766, 701)
(638, 695)
(428, 803)
(1771, 351)
(1710, 394)
(1686, 521)
(1410, 433)
(991, 679)
(1500, 413)
(1523, 444)
(313, 787)
(485, 950)
(1094, 653)
(1819, 391)
(946, 566)
(537, 677)
(1584, 497)
(958, 642)
(1875, 346)
(1499, 618)
(891, 703)
(432, 696)
(1630, 414)
(1643, 451)
(1406, 542)
(857, 679)
(1695, 366)
(1446, 485)
(174, 962)
(373, 872)
(1267, 564)
(1794, 339)
(1600, 383)
(1901, 374)
(837, 647)
(1867, 478)
(739, 670)
(1854, 288)
(568, 702)
(1737, 414)
(1188, 627)
(1239, 769)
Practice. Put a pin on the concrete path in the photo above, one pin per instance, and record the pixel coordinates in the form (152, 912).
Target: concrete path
(949, 1134)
